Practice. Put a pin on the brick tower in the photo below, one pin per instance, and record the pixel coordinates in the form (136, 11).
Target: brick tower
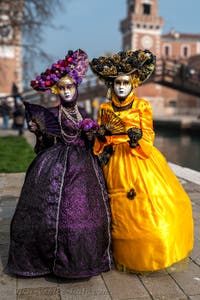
(142, 28)
(10, 53)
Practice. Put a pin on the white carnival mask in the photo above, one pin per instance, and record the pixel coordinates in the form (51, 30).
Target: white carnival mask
(122, 86)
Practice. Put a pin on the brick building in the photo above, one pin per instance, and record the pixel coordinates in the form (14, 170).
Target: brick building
(10, 53)
(142, 29)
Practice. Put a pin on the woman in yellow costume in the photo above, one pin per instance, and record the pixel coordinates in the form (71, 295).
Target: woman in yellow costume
(152, 224)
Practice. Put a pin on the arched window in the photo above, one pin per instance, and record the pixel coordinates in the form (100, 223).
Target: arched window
(185, 51)
(146, 9)
(166, 51)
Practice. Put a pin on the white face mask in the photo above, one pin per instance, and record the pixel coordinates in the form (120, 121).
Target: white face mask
(122, 86)
(67, 89)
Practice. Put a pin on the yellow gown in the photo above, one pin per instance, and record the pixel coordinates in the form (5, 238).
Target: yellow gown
(155, 229)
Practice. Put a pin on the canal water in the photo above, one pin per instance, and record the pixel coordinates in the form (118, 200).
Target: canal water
(179, 148)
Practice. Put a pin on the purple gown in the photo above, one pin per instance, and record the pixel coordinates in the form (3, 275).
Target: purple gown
(62, 221)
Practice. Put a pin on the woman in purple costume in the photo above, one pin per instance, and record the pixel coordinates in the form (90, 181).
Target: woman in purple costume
(61, 225)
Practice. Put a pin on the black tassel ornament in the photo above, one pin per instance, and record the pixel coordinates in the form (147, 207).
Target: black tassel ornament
(131, 194)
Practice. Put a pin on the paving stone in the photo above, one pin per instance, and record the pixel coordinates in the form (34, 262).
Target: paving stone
(195, 255)
(155, 273)
(186, 174)
(6, 211)
(2, 181)
(188, 279)
(4, 228)
(163, 287)
(36, 282)
(40, 293)
(196, 217)
(5, 221)
(3, 262)
(1, 265)
(89, 289)
(191, 187)
(11, 184)
(7, 287)
(166, 297)
(8, 200)
(4, 249)
(4, 237)
(125, 286)
(195, 196)
(111, 285)
(8, 293)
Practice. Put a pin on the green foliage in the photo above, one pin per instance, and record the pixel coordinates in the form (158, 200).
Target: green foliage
(15, 154)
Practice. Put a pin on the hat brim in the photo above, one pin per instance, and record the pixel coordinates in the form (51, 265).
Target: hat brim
(141, 63)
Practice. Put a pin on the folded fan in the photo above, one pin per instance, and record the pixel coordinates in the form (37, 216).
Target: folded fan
(44, 118)
(112, 122)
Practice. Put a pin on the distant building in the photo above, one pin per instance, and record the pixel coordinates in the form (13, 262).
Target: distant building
(142, 29)
(10, 53)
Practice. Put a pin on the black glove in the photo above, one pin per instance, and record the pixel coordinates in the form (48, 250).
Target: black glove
(134, 134)
(102, 132)
(105, 156)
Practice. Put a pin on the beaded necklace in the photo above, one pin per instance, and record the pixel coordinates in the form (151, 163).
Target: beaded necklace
(68, 113)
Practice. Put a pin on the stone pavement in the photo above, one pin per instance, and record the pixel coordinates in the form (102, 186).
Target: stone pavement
(163, 285)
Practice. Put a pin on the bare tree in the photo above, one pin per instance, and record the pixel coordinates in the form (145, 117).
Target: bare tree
(23, 22)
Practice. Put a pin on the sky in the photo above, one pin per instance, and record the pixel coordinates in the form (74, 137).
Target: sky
(93, 26)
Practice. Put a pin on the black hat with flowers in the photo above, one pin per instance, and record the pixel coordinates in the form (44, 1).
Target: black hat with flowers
(140, 63)
(74, 65)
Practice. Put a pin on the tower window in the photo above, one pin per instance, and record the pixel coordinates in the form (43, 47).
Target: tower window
(132, 6)
(146, 9)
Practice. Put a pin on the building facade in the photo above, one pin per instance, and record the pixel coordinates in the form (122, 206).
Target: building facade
(142, 29)
(10, 53)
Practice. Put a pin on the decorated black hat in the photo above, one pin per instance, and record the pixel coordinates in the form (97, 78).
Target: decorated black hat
(140, 63)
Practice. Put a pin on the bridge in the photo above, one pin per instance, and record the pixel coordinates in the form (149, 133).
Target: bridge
(178, 76)
(167, 73)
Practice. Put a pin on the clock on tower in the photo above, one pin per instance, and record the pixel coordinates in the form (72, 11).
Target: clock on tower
(147, 41)
(142, 28)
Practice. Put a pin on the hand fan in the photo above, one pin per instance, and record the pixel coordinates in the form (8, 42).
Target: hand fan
(45, 119)
(112, 122)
